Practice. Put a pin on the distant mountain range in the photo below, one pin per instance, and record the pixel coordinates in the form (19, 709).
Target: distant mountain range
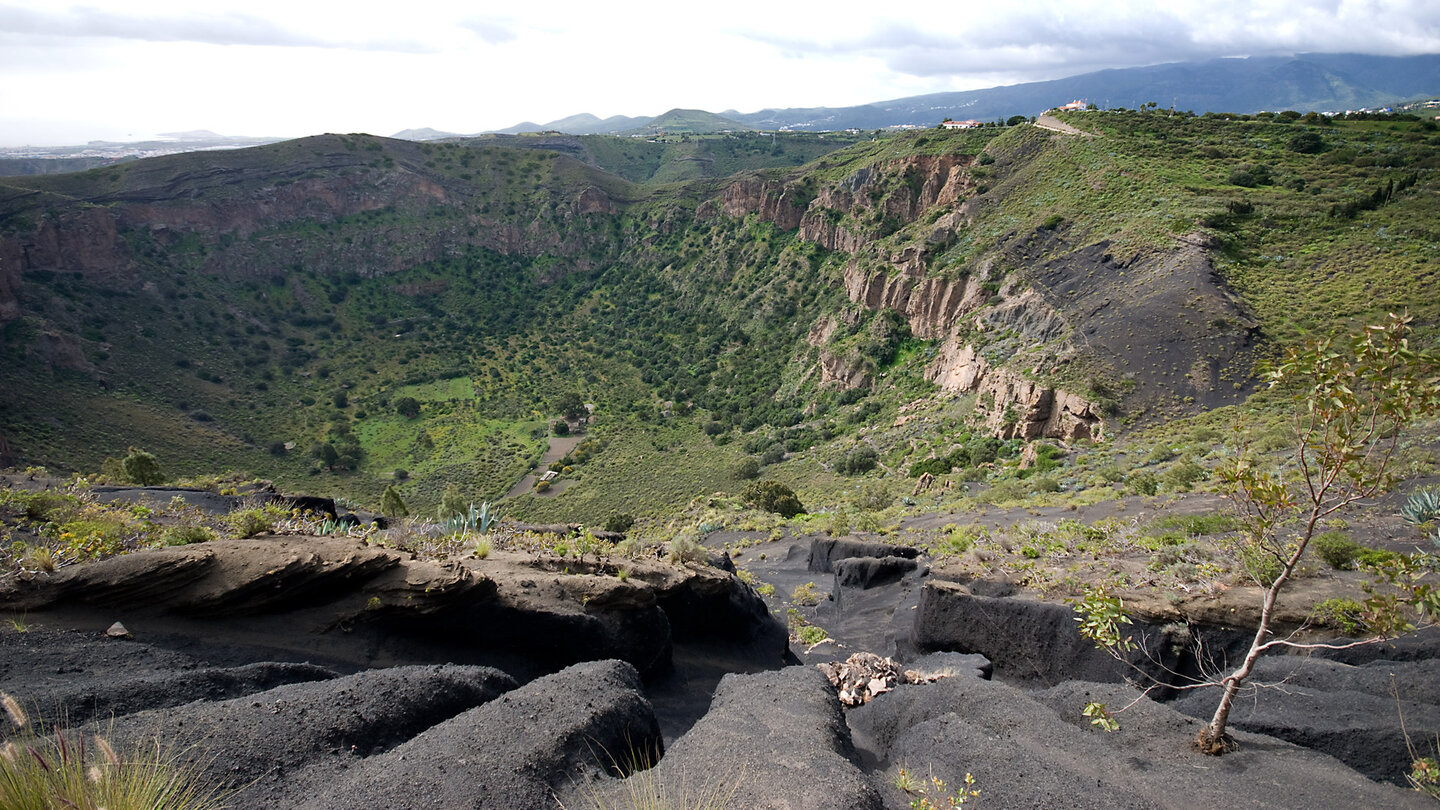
(1304, 82)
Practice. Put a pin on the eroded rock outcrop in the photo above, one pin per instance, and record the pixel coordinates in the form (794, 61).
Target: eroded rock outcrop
(533, 613)
(515, 752)
(277, 746)
(771, 741)
(1037, 750)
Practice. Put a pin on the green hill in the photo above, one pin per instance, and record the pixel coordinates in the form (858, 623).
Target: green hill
(273, 309)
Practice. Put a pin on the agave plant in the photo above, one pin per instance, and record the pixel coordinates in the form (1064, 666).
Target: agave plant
(1422, 507)
(475, 519)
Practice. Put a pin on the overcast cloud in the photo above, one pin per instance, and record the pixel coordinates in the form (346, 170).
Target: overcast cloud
(105, 69)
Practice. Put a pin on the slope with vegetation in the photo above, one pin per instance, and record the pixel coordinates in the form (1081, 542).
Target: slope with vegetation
(347, 313)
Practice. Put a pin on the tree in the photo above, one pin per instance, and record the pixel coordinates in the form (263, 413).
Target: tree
(772, 496)
(1351, 400)
(408, 407)
(391, 504)
(1306, 143)
(452, 503)
(560, 428)
(571, 405)
(1350, 405)
(142, 468)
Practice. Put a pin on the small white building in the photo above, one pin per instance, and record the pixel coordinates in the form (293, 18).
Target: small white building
(1077, 104)
(960, 124)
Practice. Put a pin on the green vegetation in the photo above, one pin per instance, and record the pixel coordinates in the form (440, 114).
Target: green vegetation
(328, 355)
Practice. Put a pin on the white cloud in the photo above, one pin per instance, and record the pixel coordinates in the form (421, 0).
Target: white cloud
(294, 67)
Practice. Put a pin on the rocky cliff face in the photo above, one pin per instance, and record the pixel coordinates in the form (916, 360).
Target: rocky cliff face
(931, 305)
(1014, 406)
(834, 369)
(773, 201)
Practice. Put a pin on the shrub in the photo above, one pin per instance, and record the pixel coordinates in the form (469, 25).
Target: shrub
(1183, 475)
(872, 497)
(142, 468)
(857, 462)
(560, 428)
(774, 454)
(1306, 143)
(772, 496)
(807, 595)
(747, 469)
(619, 522)
(408, 407)
(1337, 550)
(810, 635)
(685, 548)
(1346, 615)
(254, 520)
(1142, 483)
(186, 535)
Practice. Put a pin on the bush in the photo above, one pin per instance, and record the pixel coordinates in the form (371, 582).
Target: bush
(560, 428)
(774, 454)
(142, 468)
(1306, 143)
(772, 496)
(1183, 475)
(872, 497)
(857, 462)
(807, 595)
(1142, 483)
(408, 407)
(186, 535)
(619, 522)
(1337, 550)
(747, 469)
(254, 520)
(686, 548)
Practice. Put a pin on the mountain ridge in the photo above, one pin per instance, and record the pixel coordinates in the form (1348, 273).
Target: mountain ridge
(1304, 82)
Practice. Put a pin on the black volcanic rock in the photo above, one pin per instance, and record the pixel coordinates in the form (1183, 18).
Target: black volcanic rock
(1036, 750)
(824, 551)
(511, 753)
(777, 740)
(274, 746)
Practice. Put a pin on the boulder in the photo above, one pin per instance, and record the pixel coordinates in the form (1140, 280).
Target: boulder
(514, 752)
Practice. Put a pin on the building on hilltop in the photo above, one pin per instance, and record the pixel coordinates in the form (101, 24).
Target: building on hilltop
(948, 124)
(1077, 104)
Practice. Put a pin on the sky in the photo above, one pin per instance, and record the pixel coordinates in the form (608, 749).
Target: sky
(106, 70)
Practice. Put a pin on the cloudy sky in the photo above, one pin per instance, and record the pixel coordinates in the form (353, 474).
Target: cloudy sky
(122, 70)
